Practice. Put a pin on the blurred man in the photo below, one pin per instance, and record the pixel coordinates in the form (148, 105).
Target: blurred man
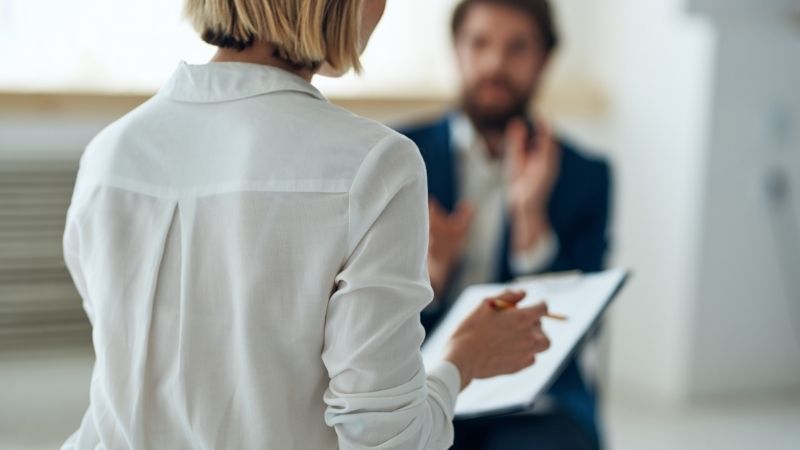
(508, 199)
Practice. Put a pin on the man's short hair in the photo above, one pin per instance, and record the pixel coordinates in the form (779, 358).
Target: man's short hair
(306, 33)
(538, 10)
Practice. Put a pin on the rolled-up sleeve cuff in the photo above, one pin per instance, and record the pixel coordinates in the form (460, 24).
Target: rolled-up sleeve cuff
(448, 376)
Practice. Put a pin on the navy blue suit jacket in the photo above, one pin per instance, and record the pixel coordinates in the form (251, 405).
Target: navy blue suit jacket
(579, 211)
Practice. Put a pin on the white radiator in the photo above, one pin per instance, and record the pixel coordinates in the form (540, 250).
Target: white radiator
(37, 297)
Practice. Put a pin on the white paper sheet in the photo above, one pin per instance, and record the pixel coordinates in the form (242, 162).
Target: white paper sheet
(582, 298)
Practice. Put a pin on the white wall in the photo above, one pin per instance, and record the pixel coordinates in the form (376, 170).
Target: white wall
(703, 102)
(747, 336)
(654, 62)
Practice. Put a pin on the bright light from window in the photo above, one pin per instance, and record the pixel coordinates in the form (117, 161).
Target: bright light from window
(133, 46)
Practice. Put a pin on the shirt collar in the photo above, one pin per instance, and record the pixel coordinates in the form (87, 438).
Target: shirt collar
(468, 142)
(462, 132)
(226, 81)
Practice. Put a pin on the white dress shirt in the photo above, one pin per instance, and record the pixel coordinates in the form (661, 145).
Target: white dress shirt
(482, 183)
(252, 259)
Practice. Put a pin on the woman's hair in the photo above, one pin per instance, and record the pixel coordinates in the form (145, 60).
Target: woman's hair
(306, 33)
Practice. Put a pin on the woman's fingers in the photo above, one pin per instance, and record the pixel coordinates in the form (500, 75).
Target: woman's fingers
(535, 312)
(499, 340)
(526, 339)
(541, 341)
(508, 364)
(505, 299)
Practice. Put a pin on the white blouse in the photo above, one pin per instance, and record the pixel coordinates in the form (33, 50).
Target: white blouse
(252, 259)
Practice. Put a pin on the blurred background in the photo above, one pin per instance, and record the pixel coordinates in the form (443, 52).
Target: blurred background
(695, 102)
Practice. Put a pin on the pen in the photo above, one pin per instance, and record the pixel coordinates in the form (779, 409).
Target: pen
(501, 305)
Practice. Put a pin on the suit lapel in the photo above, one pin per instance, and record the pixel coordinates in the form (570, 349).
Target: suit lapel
(441, 166)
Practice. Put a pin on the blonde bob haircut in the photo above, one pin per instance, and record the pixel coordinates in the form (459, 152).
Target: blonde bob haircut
(305, 33)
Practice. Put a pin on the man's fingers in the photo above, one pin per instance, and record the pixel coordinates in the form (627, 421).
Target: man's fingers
(543, 130)
(436, 212)
(464, 213)
(516, 138)
(455, 223)
(544, 144)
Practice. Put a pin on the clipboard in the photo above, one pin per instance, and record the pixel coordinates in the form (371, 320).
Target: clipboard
(583, 298)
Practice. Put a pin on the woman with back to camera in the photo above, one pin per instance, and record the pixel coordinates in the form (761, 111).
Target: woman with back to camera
(252, 258)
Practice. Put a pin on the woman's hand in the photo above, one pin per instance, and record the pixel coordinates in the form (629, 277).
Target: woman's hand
(492, 342)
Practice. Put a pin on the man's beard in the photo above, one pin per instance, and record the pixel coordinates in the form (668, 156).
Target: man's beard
(494, 118)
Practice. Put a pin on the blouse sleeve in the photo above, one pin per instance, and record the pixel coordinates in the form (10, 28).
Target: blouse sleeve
(379, 396)
(71, 251)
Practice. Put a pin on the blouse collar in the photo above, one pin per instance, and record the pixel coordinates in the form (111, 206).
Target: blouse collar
(226, 81)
